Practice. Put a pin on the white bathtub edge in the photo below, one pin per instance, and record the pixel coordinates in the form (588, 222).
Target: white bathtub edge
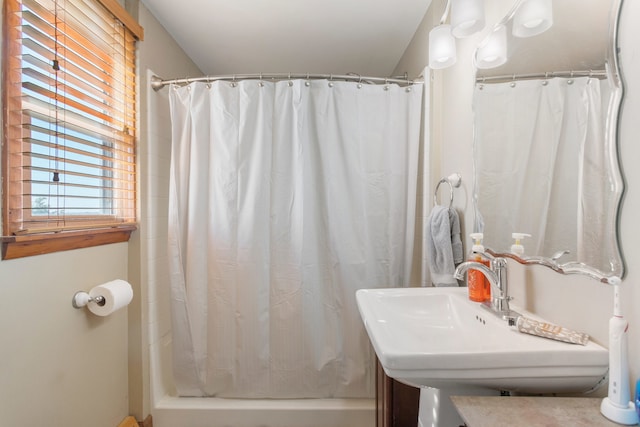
(172, 411)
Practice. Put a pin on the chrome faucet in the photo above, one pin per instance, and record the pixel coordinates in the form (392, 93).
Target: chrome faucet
(497, 276)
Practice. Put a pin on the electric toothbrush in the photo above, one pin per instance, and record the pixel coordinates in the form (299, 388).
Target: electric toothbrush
(617, 406)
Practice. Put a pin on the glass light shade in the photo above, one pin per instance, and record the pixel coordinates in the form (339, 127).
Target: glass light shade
(493, 52)
(533, 17)
(467, 17)
(442, 47)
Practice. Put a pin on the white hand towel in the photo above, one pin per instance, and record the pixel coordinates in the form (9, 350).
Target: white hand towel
(443, 234)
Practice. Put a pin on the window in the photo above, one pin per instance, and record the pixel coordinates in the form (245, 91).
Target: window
(68, 159)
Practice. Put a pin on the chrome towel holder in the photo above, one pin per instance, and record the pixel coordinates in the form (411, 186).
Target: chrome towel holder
(453, 181)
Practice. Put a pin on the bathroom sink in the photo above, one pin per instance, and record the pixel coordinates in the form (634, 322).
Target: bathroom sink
(436, 337)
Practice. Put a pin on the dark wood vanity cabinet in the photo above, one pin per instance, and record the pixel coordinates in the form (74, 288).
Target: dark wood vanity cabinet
(396, 403)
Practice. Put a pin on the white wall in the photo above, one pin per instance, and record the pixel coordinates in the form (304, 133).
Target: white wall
(572, 301)
(158, 55)
(629, 153)
(60, 366)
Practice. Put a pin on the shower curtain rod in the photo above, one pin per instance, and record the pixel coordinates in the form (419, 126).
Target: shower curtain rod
(599, 74)
(158, 83)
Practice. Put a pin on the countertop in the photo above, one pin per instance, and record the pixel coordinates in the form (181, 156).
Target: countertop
(520, 411)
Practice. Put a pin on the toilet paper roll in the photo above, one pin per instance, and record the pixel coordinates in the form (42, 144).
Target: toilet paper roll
(117, 294)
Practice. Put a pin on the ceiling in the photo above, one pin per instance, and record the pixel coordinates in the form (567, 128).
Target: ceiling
(366, 37)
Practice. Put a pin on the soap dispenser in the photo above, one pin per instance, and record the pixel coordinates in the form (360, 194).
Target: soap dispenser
(478, 284)
(517, 248)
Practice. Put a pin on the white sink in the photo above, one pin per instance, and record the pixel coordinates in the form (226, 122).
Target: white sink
(436, 337)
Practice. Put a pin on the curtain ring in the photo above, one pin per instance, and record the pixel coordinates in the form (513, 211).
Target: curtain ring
(545, 82)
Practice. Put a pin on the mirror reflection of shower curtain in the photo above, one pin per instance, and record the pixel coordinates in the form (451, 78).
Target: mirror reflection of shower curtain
(284, 200)
(540, 164)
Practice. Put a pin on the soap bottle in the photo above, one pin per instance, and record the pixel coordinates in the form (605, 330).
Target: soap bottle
(479, 286)
(517, 248)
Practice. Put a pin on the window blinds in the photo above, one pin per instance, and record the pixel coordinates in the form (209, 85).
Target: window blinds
(70, 115)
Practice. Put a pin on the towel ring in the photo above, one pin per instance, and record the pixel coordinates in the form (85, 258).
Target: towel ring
(435, 194)
(452, 180)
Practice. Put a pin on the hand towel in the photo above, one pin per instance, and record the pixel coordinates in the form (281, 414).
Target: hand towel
(443, 245)
(456, 242)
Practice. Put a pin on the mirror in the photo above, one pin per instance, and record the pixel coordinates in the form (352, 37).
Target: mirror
(545, 138)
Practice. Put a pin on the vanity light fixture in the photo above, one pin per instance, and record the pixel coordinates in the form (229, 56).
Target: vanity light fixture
(533, 17)
(493, 52)
(442, 47)
(467, 17)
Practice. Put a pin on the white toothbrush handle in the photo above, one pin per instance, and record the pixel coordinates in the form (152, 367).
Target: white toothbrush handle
(618, 363)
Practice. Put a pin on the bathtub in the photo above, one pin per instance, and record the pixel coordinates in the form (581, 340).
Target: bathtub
(213, 412)
(169, 410)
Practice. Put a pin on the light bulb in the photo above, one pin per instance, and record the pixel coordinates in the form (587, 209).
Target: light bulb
(467, 17)
(532, 17)
(493, 52)
(442, 47)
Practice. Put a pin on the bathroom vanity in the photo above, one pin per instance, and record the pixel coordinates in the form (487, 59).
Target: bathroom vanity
(396, 403)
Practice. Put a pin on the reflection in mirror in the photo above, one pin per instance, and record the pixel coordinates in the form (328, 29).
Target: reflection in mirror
(545, 150)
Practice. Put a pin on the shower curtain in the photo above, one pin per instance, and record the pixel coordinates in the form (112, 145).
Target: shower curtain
(285, 198)
(539, 154)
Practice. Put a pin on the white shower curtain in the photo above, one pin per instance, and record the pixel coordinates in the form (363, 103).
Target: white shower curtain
(538, 155)
(285, 198)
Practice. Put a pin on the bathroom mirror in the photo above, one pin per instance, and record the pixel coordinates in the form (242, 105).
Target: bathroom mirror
(546, 107)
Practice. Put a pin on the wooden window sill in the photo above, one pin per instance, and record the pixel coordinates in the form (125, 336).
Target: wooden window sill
(44, 243)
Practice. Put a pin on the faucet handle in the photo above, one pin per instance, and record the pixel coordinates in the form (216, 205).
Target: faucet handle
(498, 262)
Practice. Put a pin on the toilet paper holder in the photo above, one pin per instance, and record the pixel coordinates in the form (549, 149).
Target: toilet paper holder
(82, 298)
(106, 298)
